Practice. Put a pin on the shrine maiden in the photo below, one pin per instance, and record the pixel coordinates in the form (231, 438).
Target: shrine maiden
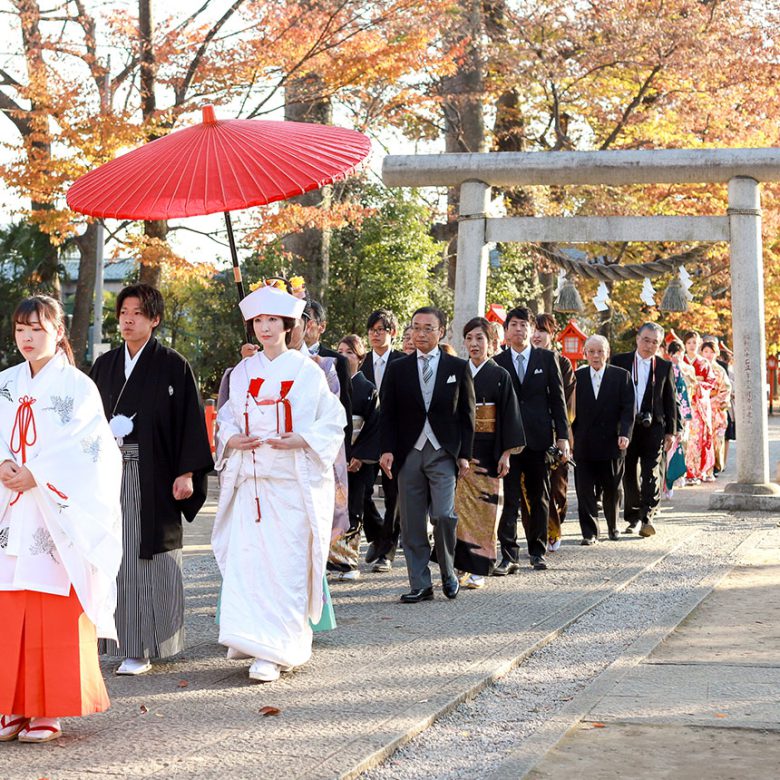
(279, 434)
(60, 532)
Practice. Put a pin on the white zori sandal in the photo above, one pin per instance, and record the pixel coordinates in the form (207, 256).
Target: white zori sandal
(10, 726)
(41, 730)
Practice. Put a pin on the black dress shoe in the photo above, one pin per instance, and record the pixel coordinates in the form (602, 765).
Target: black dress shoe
(538, 562)
(506, 567)
(588, 541)
(419, 594)
(451, 587)
(614, 534)
(371, 553)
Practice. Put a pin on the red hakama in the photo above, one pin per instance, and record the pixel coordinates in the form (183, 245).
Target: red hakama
(48, 648)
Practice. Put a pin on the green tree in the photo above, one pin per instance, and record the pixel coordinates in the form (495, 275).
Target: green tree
(513, 281)
(24, 252)
(388, 261)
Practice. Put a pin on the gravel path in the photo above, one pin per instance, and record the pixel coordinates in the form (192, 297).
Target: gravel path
(476, 737)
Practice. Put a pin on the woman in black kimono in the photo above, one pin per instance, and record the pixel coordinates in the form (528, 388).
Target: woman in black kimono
(498, 433)
(155, 413)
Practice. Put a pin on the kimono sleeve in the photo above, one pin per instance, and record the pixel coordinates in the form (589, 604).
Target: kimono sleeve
(324, 434)
(511, 433)
(78, 472)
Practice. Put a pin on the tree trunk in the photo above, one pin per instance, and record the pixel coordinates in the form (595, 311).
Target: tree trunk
(85, 288)
(304, 102)
(149, 274)
(463, 96)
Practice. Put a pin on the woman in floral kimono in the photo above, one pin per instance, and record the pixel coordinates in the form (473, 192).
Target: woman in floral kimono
(700, 452)
(684, 377)
(279, 433)
(720, 399)
(60, 532)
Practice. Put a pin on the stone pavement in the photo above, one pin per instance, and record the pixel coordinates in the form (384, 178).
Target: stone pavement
(705, 703)
(382, 677)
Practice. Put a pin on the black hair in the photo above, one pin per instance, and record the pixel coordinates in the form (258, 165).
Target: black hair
(316, 312)
(478, 322)
(46, 309)
(674, 347)
(520, 313)
(384, 316)
(150, 298)
(438, 313)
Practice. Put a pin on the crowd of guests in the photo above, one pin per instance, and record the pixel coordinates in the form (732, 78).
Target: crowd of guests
(97, 474)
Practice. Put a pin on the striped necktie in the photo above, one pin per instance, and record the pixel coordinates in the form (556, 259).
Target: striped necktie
(427, 371)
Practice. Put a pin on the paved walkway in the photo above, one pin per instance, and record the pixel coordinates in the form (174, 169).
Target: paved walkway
(705, 703)
(388, 671)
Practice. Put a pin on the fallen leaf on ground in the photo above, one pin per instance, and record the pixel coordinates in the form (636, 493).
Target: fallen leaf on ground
(266, 711)
(183, 683)
(599, 725)
(721, 715)
(144, 709)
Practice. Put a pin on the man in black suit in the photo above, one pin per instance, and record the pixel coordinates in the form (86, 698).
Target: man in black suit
(382, 534)
(426, 435)
(538, 385)
(604, 404)
(315, 323)
(655, 427)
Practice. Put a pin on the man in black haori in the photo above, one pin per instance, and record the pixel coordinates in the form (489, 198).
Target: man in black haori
(153, 407)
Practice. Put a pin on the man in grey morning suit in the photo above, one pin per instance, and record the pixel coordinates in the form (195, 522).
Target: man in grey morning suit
(426, 433)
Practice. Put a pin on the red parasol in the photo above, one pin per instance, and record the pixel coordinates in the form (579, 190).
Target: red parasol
(218, 165)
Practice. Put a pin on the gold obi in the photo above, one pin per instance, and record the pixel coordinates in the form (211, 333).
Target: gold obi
(485, 419)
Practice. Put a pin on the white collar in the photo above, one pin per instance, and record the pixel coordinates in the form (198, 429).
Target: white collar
(526, 353)
(598, 373)
(643, 361)
(433, 354)
(130, 362)
(476, 369)
(379, 358)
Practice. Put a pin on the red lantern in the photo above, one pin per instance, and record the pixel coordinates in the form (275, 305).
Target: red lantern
(572, 341)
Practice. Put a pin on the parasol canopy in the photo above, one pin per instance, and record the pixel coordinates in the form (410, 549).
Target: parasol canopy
(218, 165)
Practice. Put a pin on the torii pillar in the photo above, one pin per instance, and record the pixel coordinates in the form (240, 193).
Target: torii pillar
(743, 169)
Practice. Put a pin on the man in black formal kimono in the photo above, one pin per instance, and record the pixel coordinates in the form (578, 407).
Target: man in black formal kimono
(426, 424)
(381, 533)
(654, 430)
(604, 404)
(537, 381)
(153, 406)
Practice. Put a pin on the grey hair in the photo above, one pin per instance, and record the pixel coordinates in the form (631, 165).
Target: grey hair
(652, 326)
(598, 338)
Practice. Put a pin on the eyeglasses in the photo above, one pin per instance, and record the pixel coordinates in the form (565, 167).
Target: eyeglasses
(427, 329)
(377, 331)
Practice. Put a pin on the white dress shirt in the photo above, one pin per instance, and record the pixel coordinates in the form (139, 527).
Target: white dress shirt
(596, 378)
(427, 393)
(526, 353)
(380, 365)
(642, 368)
(130, 362)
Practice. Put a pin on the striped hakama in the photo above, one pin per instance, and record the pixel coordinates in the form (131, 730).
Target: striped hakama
(150, 593)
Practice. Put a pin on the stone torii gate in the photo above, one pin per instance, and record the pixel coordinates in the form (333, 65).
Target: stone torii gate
(742, 169)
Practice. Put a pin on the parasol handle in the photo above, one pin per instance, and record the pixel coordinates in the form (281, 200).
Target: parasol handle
(237, 270)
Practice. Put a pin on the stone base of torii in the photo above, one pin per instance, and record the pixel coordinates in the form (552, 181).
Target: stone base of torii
(742, 169)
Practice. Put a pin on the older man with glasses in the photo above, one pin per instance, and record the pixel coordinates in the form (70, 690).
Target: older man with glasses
(655, 427)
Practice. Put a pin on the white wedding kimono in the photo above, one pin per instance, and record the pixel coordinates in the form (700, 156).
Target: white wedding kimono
(273, 569)
(67, 530)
